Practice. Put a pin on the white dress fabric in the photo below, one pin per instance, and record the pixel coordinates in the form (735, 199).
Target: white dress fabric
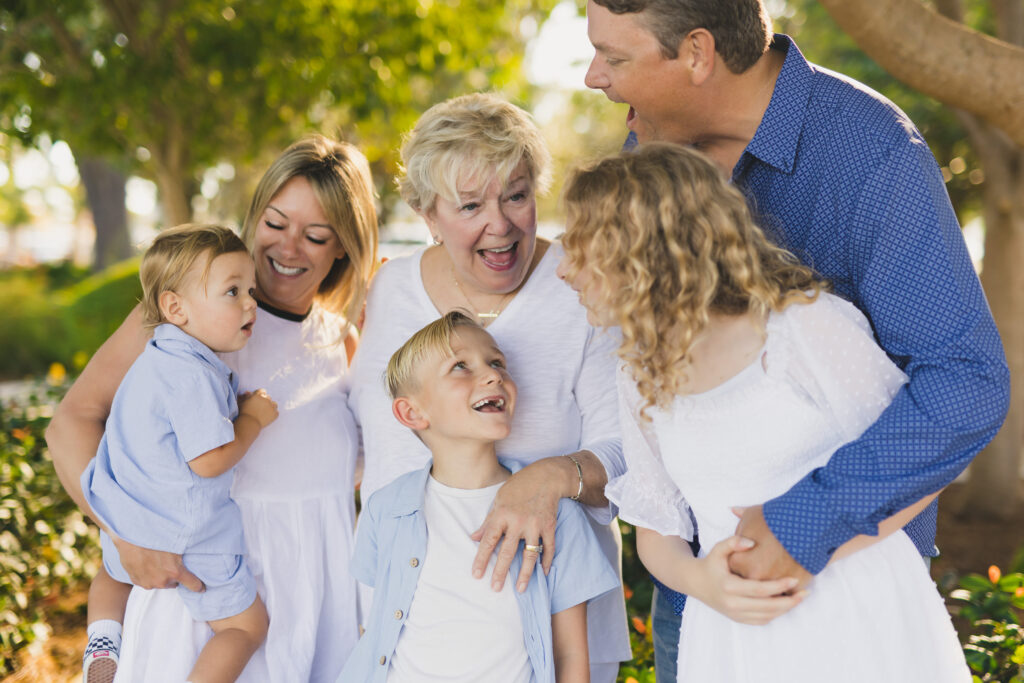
(564, 370)
(295, 490)
(820, 381)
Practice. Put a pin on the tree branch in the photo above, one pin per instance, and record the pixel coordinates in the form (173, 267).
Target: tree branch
(941, 58)
(69, 46)
(951, 9)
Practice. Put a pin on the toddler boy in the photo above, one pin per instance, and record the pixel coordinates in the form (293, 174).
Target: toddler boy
(161, 478)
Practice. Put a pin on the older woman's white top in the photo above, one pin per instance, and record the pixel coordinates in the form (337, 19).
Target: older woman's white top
(565, 372)
(295, 490)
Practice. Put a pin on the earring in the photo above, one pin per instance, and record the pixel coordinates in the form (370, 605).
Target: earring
(437, 241)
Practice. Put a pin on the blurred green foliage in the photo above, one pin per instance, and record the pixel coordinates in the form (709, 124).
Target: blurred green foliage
(53, 316)
(45, 543)
(639, 590)
(166, 89)
(993, 606)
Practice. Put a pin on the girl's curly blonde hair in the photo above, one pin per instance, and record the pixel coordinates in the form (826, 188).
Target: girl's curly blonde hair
(663, 240)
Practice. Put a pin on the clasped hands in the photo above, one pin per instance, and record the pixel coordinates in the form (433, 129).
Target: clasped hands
(754, 578)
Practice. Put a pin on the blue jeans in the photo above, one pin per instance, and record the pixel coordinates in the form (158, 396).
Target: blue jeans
(665, 624)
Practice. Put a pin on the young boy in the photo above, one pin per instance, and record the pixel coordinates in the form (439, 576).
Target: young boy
(430, 620)
(162, 475)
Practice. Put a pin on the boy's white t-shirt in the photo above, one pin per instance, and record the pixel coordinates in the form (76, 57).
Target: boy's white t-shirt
(451, 607)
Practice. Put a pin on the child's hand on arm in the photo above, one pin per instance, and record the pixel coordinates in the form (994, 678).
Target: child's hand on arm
(670, 559)
(256, 410)
(569, 641)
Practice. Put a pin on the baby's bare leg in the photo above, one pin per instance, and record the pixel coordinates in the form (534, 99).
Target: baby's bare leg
(234, 641)
(107, 598)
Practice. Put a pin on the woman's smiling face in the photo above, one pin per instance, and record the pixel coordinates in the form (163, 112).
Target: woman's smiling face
(294, 248)
(490, 233)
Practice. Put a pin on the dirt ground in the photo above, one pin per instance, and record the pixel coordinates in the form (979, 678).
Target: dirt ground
(966, 545)
(974, 545)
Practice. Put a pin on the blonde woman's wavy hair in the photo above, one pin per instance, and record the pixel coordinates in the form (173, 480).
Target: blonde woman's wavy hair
(664, 240)
(472, 137)
(340, 177)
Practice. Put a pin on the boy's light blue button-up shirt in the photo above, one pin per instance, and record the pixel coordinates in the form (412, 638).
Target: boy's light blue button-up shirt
(176, 402)
(391, 541)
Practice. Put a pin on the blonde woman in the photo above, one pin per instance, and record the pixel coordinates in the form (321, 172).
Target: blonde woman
(473, 167)
(312, 232)
(739, 375)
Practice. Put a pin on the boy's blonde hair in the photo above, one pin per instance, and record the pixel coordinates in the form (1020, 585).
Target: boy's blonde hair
(340, 177)
(473, 137)
(665, 240)
(167, 262)
(436, 337)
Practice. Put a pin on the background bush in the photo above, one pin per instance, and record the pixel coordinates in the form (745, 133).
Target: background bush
(58, 315)
(45, 543)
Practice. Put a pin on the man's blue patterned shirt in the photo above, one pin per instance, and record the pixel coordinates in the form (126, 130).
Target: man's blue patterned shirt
(841, 177)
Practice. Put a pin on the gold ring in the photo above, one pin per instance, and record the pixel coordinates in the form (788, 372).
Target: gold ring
(535, 548)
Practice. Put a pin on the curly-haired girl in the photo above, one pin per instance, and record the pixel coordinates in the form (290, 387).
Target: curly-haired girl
(740, 374)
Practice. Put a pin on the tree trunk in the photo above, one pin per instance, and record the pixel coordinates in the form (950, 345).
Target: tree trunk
(940, 57)
(105, 191)
(992, 486)
(170, 160)
(175, 198)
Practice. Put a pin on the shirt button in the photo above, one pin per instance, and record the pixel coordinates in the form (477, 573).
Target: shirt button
(398, 614)
(414, 562)
(383, 659)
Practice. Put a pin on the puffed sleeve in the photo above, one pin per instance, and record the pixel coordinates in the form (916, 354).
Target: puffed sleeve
(828, 350)
(645, 494)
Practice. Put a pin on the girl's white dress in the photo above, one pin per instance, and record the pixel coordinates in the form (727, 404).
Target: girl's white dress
(295, 490)
(819, 383)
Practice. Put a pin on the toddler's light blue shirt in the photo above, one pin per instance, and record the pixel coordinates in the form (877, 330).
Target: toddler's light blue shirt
(176, 402)
(391, 541)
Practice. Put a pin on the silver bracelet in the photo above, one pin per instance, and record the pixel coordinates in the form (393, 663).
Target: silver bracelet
(579, 471)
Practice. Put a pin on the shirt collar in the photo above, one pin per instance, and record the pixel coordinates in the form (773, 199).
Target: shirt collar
(777, 137)
(409, 497)
(173, 339)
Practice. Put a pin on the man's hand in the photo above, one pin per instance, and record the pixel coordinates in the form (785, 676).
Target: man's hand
(155, 568)
(768, 559)
(525, 509)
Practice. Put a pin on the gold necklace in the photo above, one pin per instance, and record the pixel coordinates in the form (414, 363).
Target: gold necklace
(485, 316)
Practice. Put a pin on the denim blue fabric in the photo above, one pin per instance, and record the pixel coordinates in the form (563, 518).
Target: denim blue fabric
(840, 176)
(391, 540)
(665, 624)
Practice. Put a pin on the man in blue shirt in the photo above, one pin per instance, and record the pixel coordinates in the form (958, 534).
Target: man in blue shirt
(841, 177)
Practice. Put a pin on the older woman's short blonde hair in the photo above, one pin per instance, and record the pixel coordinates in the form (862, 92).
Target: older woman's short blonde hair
(340, 177)
(436, 337)
(473, 137)
(167, 264)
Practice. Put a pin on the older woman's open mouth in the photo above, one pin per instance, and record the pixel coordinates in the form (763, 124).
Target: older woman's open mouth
(501, 257)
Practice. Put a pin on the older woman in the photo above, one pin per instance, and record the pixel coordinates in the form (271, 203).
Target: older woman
(312, 231)
(473, 166)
